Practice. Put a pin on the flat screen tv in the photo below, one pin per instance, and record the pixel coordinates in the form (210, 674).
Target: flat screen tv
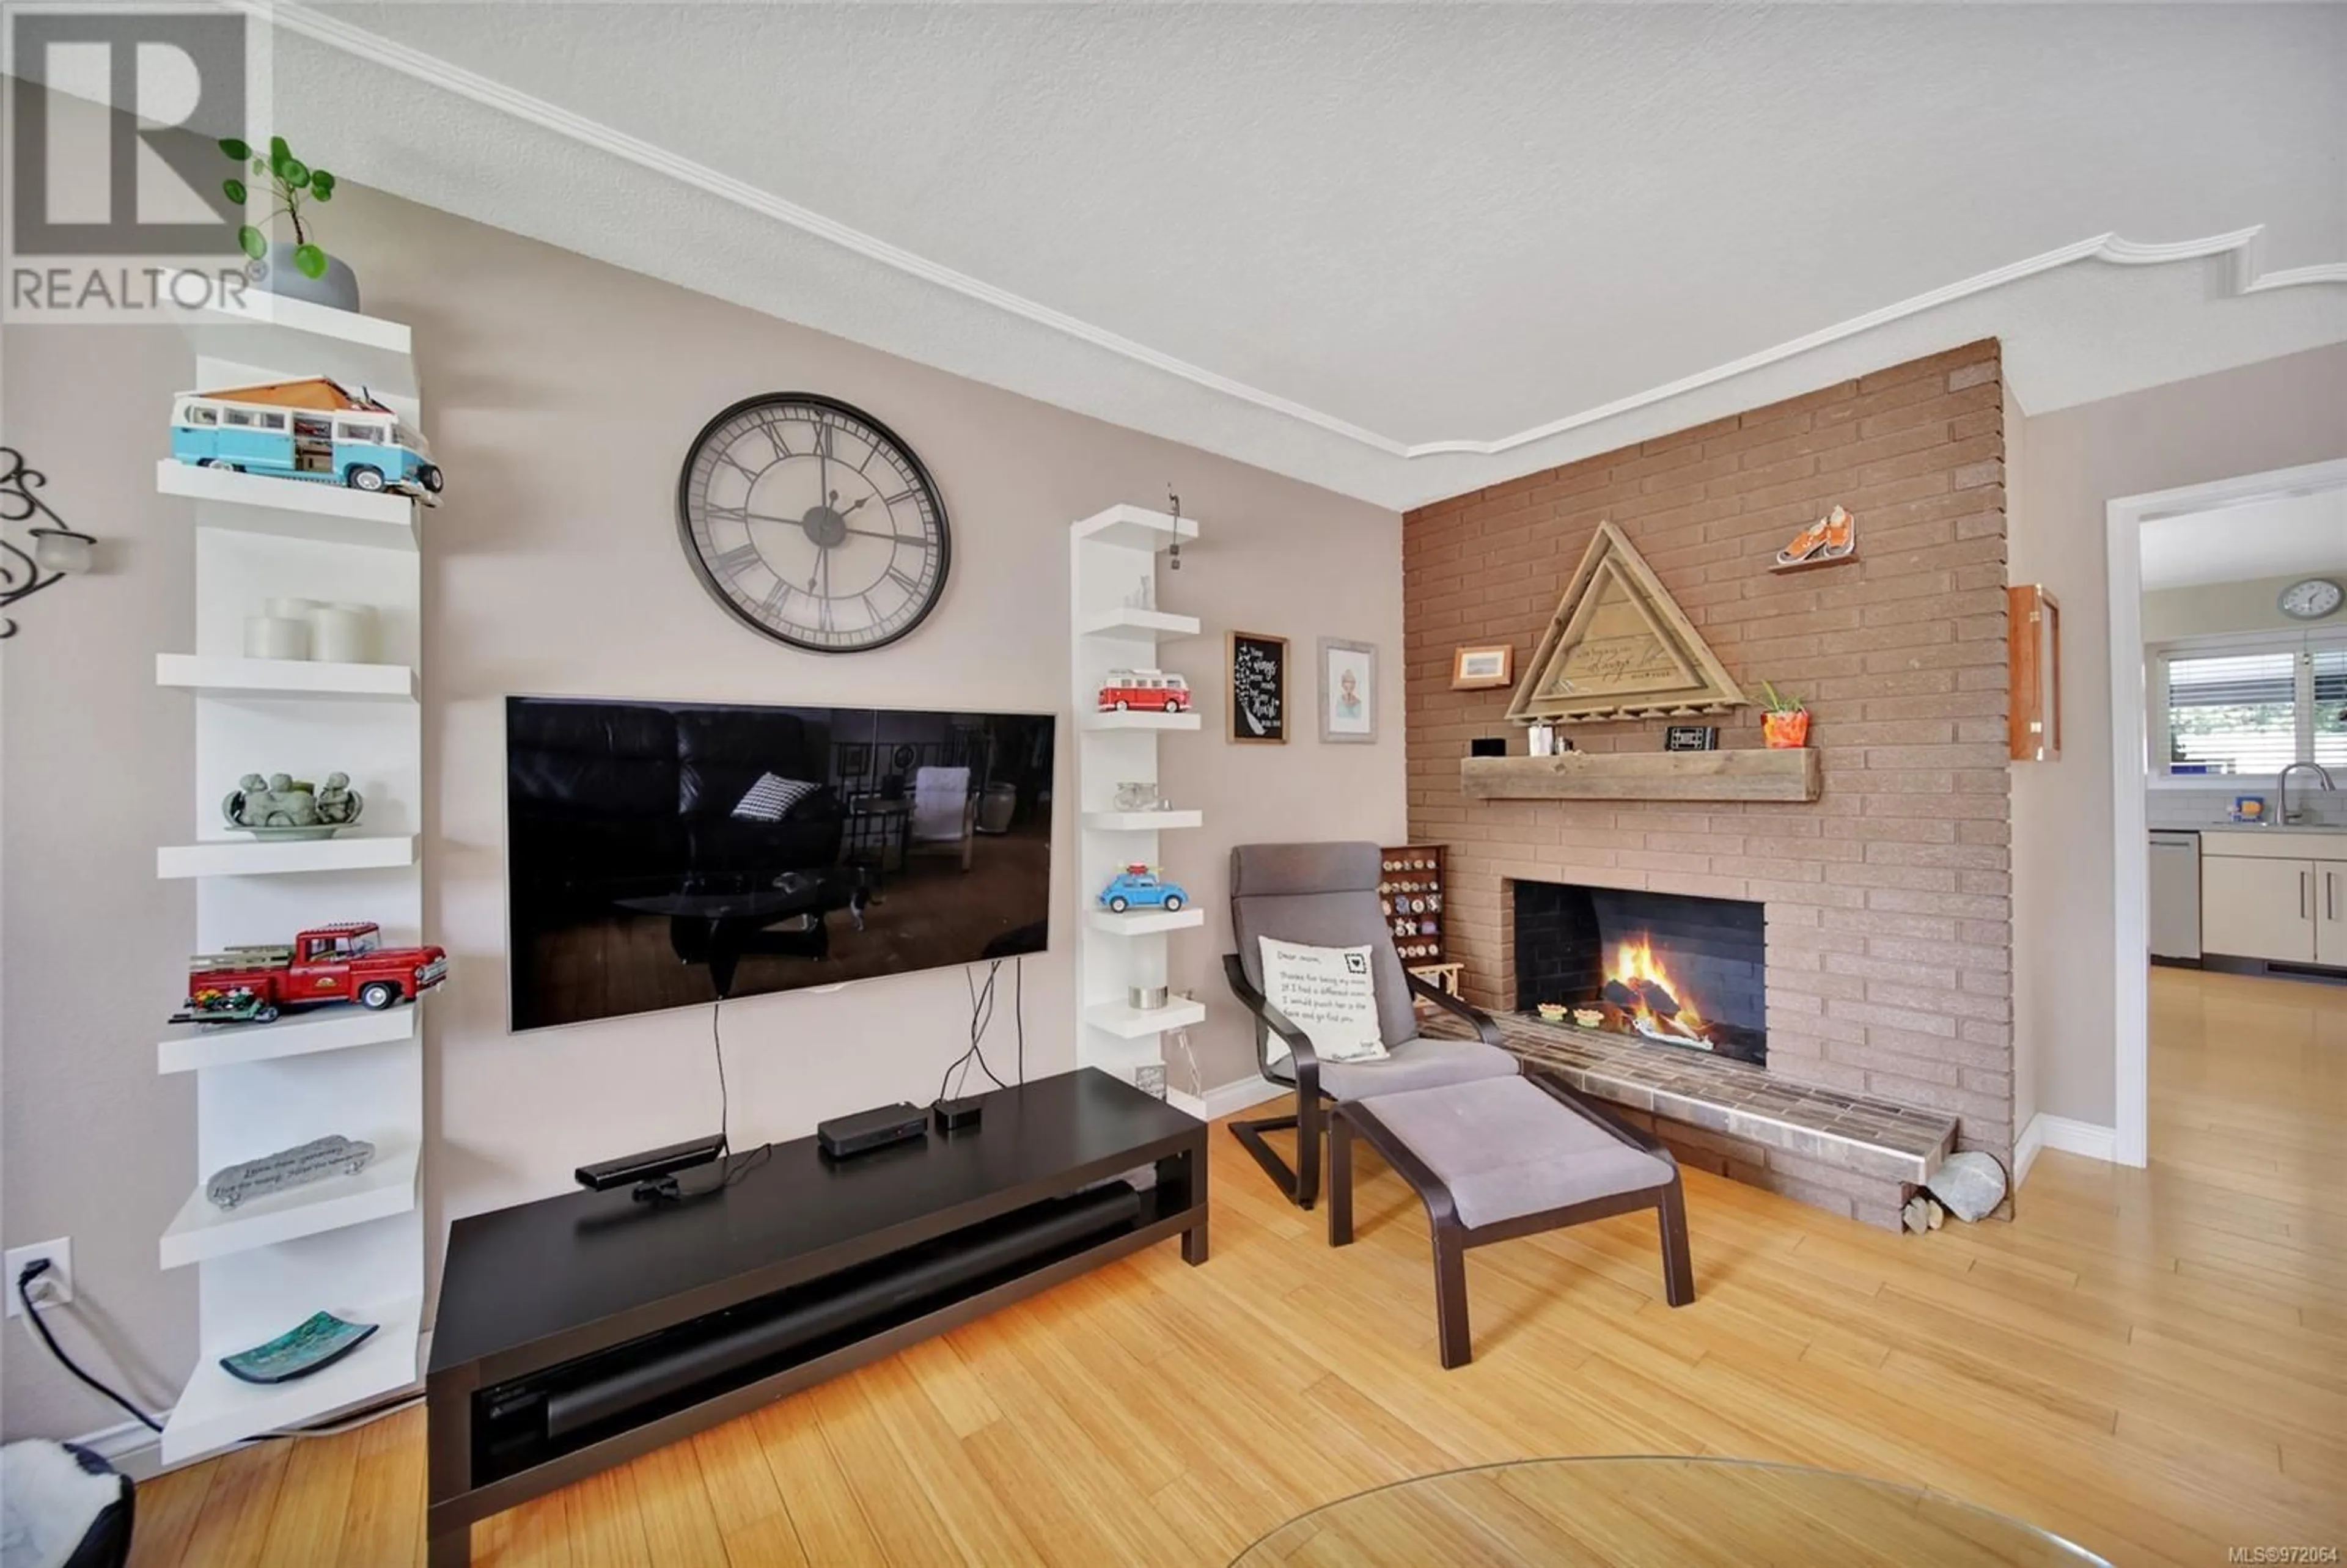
(661, 854)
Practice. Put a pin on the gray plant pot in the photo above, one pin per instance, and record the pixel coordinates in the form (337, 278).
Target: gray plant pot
(278, 274)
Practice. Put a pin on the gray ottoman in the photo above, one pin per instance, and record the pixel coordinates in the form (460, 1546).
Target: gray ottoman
(1499, 1158)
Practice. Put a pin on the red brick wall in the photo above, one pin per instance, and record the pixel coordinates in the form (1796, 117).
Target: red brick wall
(1889, 898)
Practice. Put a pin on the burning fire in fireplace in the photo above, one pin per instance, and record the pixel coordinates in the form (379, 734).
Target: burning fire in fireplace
(1640, 989)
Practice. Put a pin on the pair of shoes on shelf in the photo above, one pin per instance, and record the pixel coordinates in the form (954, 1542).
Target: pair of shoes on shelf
(1829, 539)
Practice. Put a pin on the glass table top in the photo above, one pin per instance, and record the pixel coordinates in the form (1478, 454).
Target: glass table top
(1656, 1509)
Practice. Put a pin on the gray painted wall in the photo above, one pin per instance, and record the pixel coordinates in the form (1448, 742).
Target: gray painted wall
(2277, 414)
(561, 394)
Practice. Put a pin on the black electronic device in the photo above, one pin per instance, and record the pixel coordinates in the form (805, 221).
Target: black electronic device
(682, 852)
(864, 1131)
(953, 1115)
(1488, 746)
(653, 1165)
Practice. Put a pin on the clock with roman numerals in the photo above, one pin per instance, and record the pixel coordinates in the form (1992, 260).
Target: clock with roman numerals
(812, 523)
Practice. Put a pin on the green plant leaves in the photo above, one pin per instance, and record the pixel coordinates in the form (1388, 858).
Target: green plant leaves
(278, 151)
(295, 173)
(321, 185)
(252, 241)
(236, 149)
(310, 260)
(235, 190)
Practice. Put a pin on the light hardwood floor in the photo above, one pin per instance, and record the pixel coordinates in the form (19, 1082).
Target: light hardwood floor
(2152, 1362)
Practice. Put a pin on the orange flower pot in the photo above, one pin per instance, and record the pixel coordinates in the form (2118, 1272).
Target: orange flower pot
(1786, 732)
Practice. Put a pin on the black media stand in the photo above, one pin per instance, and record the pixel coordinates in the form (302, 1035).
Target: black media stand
(576, 1333)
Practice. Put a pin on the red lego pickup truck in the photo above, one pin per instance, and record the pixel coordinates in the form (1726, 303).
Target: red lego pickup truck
(346, 963)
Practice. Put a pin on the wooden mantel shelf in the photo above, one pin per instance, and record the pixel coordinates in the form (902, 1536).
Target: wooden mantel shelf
(1790, 776)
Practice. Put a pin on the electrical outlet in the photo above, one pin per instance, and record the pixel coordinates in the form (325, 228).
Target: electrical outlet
(1149, 1079)
(53, 1288)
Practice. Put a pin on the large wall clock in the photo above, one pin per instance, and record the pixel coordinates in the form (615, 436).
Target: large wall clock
(812, 523)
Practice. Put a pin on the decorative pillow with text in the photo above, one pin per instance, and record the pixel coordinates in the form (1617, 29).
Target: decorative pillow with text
(1327, 992)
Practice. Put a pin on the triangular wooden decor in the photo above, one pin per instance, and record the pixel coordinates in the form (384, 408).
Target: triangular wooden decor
(1619, 647)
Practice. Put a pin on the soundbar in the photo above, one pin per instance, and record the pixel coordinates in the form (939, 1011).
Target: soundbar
(663, 1366)
(874, 1129)
(650, 1166)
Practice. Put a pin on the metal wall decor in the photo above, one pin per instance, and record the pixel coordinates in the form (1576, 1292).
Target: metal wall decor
(58, 550)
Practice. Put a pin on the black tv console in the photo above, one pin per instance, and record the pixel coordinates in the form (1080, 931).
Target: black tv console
(580, 1331)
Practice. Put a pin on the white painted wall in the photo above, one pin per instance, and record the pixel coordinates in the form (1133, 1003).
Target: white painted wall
(2277, 414)
(2209, 608)
(563, 392)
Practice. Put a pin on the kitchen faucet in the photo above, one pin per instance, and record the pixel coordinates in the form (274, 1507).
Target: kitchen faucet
(2282, 814)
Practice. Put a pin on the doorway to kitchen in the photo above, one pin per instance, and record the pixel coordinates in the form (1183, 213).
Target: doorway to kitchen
(2229, 729)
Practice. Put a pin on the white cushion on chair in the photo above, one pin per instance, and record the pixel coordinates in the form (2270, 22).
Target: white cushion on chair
(1327, 992)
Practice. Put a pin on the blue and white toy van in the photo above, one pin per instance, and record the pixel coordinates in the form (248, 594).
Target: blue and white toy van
(315, 429)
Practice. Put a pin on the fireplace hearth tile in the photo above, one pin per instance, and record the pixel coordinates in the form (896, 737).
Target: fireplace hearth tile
(1871, 1138)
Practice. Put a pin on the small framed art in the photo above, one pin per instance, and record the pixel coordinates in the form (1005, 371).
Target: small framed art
(1349, 691)
(1481, 667)
(1258, 688)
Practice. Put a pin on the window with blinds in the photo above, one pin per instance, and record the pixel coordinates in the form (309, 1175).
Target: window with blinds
(2328, 676)
(2253, 710)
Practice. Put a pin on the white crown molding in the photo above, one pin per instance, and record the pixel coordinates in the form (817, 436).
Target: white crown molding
(2244, 247)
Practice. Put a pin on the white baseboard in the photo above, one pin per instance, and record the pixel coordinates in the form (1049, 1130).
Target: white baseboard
(137, 1453)
(128, 1448)
(2065, 1133)
(1221, 1102)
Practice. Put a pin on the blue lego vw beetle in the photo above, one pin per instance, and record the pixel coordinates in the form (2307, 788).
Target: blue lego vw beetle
(1138, 887)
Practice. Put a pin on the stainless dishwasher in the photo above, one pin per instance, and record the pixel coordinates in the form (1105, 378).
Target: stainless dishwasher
(2175, 894)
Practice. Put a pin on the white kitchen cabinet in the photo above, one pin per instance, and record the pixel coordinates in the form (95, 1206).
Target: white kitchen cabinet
(2331, 913)
(2258, 908)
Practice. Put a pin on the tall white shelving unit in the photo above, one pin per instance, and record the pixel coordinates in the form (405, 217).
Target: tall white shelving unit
(350, 1244)
(1112, 554)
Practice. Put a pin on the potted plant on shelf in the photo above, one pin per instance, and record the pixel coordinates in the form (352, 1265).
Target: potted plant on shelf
(1785, 722)
(299, 269)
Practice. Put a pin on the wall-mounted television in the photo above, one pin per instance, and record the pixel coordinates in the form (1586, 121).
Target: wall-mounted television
(661, 854)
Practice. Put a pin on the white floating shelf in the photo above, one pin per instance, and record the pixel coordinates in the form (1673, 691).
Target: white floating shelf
(1137, 528)
(211, 677)
(242, 857)
(296, 508)
(264, 329)
(1142, 821)
(1135, 1023)
(216, 1410)
(1137, 720)
(1141, 922)
(1158, 624)
(386, 1187)
(339, 1026)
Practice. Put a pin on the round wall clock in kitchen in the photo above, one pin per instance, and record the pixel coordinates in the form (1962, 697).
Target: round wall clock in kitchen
(2311, 599)
(812, 523)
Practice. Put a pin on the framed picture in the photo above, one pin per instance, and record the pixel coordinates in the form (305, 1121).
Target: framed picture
(1349, 691)
(1482, 666)
(1691, 738)
(1258, 688)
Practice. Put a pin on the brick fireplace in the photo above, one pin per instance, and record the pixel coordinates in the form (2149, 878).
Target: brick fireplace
(1885, 902)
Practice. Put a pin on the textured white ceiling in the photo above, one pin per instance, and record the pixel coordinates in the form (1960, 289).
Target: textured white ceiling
(2244, 543)
(1392, 226)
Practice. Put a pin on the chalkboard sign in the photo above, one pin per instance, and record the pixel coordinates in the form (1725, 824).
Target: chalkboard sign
(1258, 687)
